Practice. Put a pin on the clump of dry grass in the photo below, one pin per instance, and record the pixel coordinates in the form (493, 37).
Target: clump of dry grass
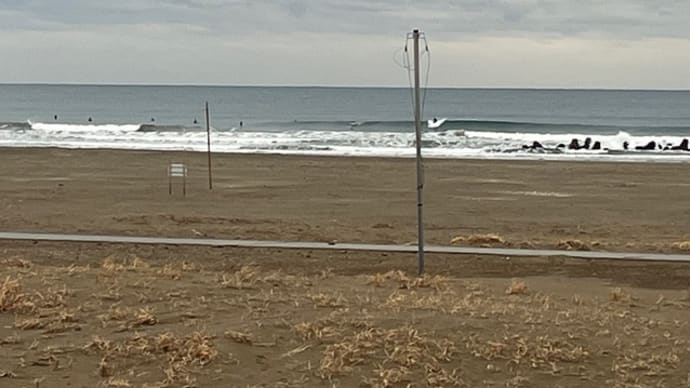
(681, 245)
(333, 300)
(11, 340)
(180, 354)
(618, 295)
(517, 287)
(401, 355)
(327, 329)
(245, 277)
(280, 279)
(436, 282)
(323, 331)
(52, 297)
(633, 362)
(169, 271)
(574, 245)
(113, 264)
(50, 321)
(11, 296)
(6, 373)
(131, 317)
(113, 382)
(16, 262)
(239, 337)
(541, 352)
(479, 239)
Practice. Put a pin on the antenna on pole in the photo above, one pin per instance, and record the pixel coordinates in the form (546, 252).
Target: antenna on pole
(208, 141)
(420, 168)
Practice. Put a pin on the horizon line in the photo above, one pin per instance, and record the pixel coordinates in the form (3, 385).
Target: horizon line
(339, 86)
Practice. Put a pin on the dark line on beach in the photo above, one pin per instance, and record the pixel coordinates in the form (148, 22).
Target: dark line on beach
(600, 255)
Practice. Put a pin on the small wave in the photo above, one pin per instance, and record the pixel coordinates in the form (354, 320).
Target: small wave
(164, 128)
(286, 147)
(459, 124)
(14, 126)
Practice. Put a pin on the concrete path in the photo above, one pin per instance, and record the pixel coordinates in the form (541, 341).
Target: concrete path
(341, 246)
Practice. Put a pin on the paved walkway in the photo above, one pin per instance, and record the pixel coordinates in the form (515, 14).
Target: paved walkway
(340, 246)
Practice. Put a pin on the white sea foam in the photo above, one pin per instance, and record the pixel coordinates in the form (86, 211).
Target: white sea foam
(84, 128)
(444, 144)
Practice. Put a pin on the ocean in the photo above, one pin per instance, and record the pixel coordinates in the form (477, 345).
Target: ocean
(479, 123)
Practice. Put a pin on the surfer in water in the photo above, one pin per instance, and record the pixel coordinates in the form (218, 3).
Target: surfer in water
(196, 121)
(90, 119)
(55, 117)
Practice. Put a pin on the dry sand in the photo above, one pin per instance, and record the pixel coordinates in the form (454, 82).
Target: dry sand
(613, 206)
(85, 315)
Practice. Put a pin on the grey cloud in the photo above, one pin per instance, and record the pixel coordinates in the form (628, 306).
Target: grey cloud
(481, 42)
(445, 19)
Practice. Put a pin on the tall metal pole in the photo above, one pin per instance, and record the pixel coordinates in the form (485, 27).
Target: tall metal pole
(420, 167)
(208, 140)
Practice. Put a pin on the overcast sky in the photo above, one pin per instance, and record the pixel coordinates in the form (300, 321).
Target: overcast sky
(473, 43)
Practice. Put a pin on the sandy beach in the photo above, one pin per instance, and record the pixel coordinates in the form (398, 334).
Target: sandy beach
(608, 206)
(85, 315)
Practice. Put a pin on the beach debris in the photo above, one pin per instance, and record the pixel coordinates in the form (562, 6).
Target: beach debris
(11, 296)
(50, 321)
(16, 262)
(116, 383)
(400, 354)
(130, 317)
(6, 373)
(296, 351)
(238, 337)
(133, 263)
(479, 239)
(12, 339)
(681, 245)
(617, 294)
(517, 287)
(403, 281)
(574, 245)
(328, 300)
(245, 277)
(181, 353)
